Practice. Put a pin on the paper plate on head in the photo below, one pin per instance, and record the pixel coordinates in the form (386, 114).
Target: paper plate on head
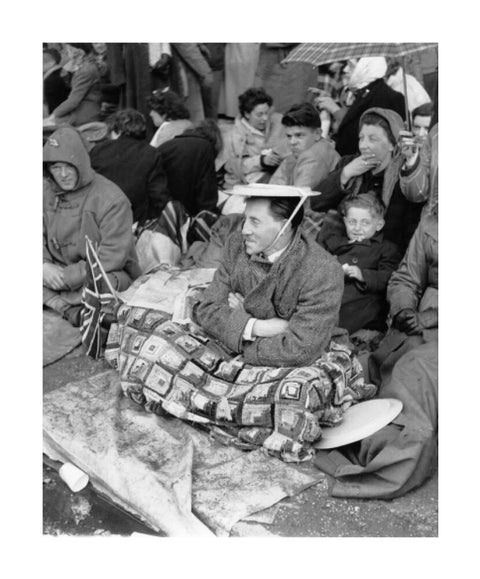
(359, 421)
(267, 190)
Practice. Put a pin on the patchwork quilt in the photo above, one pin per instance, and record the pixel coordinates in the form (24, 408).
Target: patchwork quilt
(177, 369)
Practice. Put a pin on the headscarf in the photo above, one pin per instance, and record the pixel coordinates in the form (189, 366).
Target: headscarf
(366, 71)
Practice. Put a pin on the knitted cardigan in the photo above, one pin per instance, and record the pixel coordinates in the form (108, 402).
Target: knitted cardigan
(304, 286)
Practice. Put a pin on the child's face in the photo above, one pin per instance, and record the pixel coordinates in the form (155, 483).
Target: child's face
(361, 223)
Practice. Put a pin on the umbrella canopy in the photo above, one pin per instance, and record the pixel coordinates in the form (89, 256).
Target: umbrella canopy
(317, 53)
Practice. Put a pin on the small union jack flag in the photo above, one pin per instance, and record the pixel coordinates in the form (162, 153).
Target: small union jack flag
(100, 303)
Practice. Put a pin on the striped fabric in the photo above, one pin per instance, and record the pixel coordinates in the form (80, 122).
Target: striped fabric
(173, 222)
(317, 53)
(97, 305)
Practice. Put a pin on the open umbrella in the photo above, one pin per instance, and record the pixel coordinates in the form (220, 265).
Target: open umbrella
(318, 53)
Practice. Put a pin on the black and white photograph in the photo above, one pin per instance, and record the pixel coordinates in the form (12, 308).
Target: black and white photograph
(240, 288)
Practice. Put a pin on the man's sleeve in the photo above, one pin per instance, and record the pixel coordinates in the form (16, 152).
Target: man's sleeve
(215, 315)
(115, 230)
(408, 283)
(309, 328)
(206, 190)
(415, 181)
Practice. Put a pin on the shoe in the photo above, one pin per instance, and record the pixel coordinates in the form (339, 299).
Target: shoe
(73, 314)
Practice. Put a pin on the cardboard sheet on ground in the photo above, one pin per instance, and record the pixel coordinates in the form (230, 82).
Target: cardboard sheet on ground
(59, 337)
(170, 475)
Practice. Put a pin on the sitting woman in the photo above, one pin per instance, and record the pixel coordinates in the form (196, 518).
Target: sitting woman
(255, 146)
(77, 202)
(132, 164)
(189, 163)
(169, 114)
(382, 167)
(83, 102)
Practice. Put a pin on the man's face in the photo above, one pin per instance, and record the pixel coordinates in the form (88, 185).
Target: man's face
(361, 224)
(157, 118)
(301, 138)
(420, 128)
(258, 116)
(260, 226)
(65, 175)
(373, 140)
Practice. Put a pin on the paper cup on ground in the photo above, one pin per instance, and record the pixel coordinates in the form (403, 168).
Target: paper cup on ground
(75, 478)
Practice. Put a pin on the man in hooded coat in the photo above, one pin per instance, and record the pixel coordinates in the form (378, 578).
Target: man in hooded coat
(77, 202)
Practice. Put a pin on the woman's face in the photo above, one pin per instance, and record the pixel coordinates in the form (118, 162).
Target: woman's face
(258, 116)
(373, 140)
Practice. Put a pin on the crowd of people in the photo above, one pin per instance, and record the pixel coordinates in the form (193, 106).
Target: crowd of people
(129, 129)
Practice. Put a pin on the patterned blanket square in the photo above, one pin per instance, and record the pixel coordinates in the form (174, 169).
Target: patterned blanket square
(239, 391)
(136, 317)
(168, 330)
(217, 387)
(251, 375)
(197, 333)
(159, 380)
(139, 369)
(181, 393)
(262, 393)
(254, 434)
(125, 369)
(290, 450)
(138, 342)
(152, 396)
(123, 314)
(203, 403)
(153, 319)
(171, 359)
(289, 421)
(153, 347)
(207, 359)
(257, 415)
(187, 343)
(112, 357)
(229, 370)
(192, 373)
(128, 337)
(289, 390)
(114, 336)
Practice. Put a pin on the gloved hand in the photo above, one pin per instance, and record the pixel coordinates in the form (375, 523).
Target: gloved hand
(406, 321)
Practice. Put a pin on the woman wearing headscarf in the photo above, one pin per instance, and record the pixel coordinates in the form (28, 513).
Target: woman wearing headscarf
(382, 168)
(369, 88)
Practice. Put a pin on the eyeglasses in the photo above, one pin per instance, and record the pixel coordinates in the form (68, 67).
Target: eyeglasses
(354, 222)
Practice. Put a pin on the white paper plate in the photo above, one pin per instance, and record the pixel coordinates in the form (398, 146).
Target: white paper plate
(359, 421)
(270, 190)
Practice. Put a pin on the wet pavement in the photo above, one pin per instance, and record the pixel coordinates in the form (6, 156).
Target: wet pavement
(309, 514)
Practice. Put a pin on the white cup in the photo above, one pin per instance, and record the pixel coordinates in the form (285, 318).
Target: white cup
(75, 478)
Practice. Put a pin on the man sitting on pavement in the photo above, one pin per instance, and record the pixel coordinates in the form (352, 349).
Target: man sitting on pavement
(312, 157)
(276, 296)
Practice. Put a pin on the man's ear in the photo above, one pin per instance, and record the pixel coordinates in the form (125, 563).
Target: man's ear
(380, 224)
(318, 133)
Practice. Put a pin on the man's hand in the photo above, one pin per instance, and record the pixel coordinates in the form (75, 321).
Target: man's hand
(326, 103)
(53, 277)
(408, 147)
(358, 166)
(271, 159)
(353, 271)
(269, 328)
(235, 300)
(407, 321)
